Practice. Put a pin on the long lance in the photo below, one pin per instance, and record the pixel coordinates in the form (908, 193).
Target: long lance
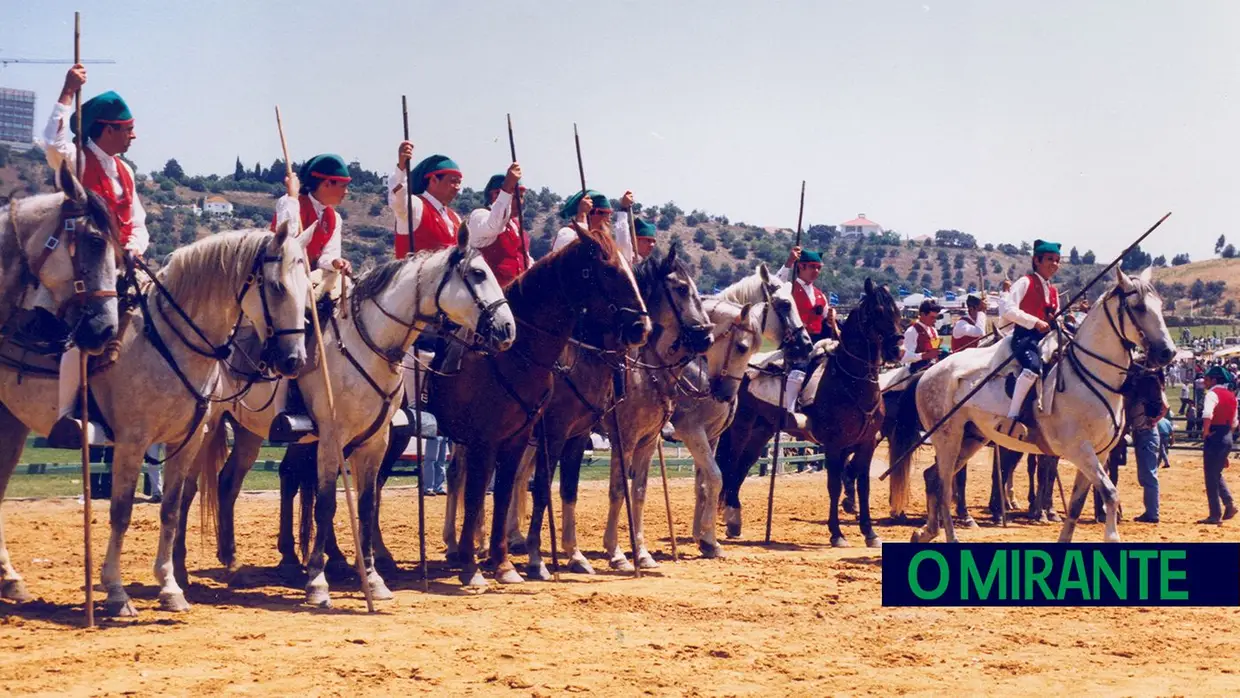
(1062, 311)
(581, 170)
(800, 213)
(512, 148)
(417, 366)
(82, 368)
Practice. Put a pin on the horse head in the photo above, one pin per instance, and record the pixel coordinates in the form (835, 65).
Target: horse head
(275, 299)
(73, 251)
(878, 319)
(615, 301)
(675, 306)
(728, 356)
(784, 325)
(470, 295)
(1138, 317)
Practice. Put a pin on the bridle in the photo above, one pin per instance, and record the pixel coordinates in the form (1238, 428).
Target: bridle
(67, 234)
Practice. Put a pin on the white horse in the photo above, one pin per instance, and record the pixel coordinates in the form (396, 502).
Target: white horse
(745, 313)
(59, 251)
(158, 389)
(389, 309)
(1081, 424)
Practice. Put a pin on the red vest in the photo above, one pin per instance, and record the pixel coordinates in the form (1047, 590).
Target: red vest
(431, 234)
(806, 308)
(96, 180)
(926, 340)
(1034, 301)
(962, 343)
(1225, 410)
(507, 256)
(322, 234)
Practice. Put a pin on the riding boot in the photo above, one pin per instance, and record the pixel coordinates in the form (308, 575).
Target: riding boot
(1011, 425)
(67, 431)
(291, 423)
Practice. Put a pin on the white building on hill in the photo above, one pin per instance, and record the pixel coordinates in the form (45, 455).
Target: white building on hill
(859, 227)
(218, 205)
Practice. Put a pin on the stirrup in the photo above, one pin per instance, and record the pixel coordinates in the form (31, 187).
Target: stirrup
(1012, 426)
(289, 428)
(67, 434)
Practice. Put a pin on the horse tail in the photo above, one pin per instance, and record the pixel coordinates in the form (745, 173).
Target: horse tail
(210, 460)
(905, 429)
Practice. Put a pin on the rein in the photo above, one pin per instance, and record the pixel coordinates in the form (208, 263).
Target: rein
(70, 212)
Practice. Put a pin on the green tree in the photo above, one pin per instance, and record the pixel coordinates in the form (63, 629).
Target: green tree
(1229, 251)
(1220, 244)
(239, 170)
(1180, 259)
(1074, 257)
(1088, 257)
(739, 250)
(172, 170)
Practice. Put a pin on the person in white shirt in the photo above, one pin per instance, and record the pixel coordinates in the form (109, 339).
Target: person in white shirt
(436, 183)
(812, 304)
(971, 327)
(311, 201)
(1032, 305)
(495, 230)
(108, 130)
(921, 340)
(590, 210)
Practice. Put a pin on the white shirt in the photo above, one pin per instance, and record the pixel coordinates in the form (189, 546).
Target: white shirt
(1211, 401)
(396, 199)
(963, 328)
(910, 343)
(619, 229)
(486, 225)
(1009, 304)
(58, 144)
(288, 208)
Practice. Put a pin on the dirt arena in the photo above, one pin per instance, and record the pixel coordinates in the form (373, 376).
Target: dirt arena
(796, 618)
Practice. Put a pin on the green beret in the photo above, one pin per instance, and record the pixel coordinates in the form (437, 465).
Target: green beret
(324, 167)
(569, 209)
(1219, 373)
(811, 257)
(493, 184)
(107, 108)
(433, 165)
(1042, 247)
(644, 229)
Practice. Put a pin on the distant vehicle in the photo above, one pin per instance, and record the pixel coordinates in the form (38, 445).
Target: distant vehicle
(1231, 341)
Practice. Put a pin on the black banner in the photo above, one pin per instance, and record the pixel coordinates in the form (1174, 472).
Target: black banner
(1061, 574)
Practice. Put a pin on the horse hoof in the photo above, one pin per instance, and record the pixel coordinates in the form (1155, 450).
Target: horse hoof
(850, 506)
(317, 592)
(15, 590)
(839, 542)
(1054, 517)
(379, 590)
(647, 562)
(119, 608)
(621, 564)
(516, 546)
(711, 551)
(538, 572)
(474, 581)
(580, 565)
(734, 530)
(339, 571)
(1110, 538)
(968, 522)
(508, 575)
(386, 565)
(453, 558)
(175, 603)
(873, 542)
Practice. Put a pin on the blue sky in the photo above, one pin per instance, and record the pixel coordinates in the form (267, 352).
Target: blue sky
(1079, 121)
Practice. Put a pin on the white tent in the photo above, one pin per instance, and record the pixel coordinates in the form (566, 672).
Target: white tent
(912, 300)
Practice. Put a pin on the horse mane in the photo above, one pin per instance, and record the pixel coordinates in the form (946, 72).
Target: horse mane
(537, 280)
(226, 258)
(649, 273)
(746, 290)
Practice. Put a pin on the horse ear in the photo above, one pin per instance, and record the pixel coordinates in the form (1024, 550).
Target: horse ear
(1147, 275)
(462, 236)
(764, 273)
(281, 234)
(70, 184)
(671, 256)
(869, 286)
(1121, 279)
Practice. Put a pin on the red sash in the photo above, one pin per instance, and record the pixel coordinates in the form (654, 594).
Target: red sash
(322, 234)
(96, 180)
(925, 340)
(432, 232)
(507, 256)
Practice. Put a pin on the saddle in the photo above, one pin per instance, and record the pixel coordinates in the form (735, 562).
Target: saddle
(767, 373)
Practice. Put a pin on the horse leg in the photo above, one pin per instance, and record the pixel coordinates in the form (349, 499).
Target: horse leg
(962, 505)
(383, 557)
(507, 462)
(171, 596)
(188, 491)
(1048, 476)
(859, 464)
(292, 474)
(615, 506)
(642, 456)
(126, 463)
(708, 481)
(850, 483)
(12, 440)
(572, 453)
(330, 460)
(365, 460)
(934, 491)
(1089, 464)
(835, 485)
(244, 453)
(544, 463)
(456, 479)
(518, 543)
(1080, 490)
(478, 463)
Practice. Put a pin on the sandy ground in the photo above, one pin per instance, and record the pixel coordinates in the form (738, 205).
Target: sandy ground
(795, 618)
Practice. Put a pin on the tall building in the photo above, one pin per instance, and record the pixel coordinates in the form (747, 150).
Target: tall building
(16, 117)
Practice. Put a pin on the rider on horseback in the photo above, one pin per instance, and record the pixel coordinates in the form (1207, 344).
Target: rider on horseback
(494, 228)
(108, 131)
(816, 313)
(921, 340)
(1031, 305)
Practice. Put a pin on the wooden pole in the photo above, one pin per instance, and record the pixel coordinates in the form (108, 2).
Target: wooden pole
(800, 213)
(770, 497)
(618, 448)
(331, 404)
(581, 170)
(546, 463)
(83, 391)
(417, 372)
(516, 200)
(667, 500)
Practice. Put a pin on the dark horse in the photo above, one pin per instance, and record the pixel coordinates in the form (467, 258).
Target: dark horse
(490, 407)
(844, 417)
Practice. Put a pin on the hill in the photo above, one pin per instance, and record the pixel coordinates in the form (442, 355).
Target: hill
(718, 249)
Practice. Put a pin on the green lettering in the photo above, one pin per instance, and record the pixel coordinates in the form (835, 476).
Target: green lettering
(1166, 575)
(1073, 566)
(944, 576)
(1015, 575)
(971, 576)
(1102, 568)
(1143, 578)
(1037, 576)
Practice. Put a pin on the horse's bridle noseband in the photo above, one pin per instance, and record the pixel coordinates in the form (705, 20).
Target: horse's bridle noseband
(70, 212)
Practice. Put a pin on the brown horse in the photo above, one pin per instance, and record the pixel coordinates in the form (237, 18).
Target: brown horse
(846, 413)
(490, 407)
